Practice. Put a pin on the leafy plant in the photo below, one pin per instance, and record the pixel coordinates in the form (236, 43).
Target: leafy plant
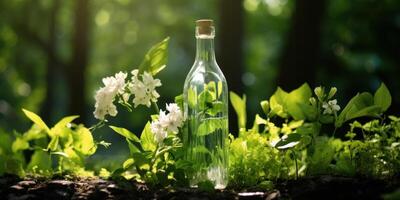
(155, 163)
(59, 149)
(292, 138)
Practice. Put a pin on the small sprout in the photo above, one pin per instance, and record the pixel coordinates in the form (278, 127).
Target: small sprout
(104, 144)
(313, 101)
(350, 135)
(265, 106)
(288, 141)
(332, 92)
(319, 91)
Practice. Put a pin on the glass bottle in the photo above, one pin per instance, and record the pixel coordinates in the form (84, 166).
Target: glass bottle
(206, 112)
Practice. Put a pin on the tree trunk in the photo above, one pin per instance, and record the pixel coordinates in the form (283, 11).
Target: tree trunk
(80, 50)
(48, 104)
(230, 54)
(301, 55)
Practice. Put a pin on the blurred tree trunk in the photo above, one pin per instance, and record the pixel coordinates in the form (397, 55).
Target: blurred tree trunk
(48, 104)
(230, 55)
(80, 49)
(300, 57)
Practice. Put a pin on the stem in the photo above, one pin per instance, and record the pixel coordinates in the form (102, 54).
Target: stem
(158, 154)
(155, 107)
(334, 131)
(295, 160)
(350, 151)
(98, 125)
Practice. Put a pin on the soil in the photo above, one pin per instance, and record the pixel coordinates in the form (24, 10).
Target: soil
(322, 187)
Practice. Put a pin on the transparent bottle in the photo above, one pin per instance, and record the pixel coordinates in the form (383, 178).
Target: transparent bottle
(206, 113)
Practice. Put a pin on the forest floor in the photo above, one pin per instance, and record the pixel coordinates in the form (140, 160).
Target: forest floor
(321, 187)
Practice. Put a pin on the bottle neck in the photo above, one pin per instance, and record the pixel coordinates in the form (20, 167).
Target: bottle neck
(205, 49)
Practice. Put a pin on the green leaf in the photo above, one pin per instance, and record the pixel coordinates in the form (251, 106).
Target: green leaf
(192, 97)
(147, 139)
(216, 107)
(295, 124)
(36, 119)
(277, 102)
(74, 158)
(239, 105)
(128, 163)
(19, 144)
(359, 106)
(210, 125)
(41, 160)
(368, 111)
(59, 128)
(59, 153)
(34, 133)
(265, 106)
(297, 103)
(53, 144)
(219, 89)
(126, 133)
(156, 58)
(288, 142)
(323, 154)
(83, 141)
(259, 120)
(142, 160)
(206, 98)
(104, 173)
(383, 98)
(132, 148)
(179, 101)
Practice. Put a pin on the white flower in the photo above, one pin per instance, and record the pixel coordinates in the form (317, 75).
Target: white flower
(104, 104)
(167, 123)
(135, 72)
(150, 82)
(105, 96)
(175, 117)
(158, 130)
(115, 84)
(144, 91)
(173, 109)
(330, 107)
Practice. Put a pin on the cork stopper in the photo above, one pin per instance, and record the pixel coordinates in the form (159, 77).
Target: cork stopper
(205, 27)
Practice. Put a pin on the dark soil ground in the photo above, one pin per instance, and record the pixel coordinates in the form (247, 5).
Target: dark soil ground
(322, 187)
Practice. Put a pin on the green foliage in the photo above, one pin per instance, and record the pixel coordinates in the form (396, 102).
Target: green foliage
(289, 141)
(365, 104)
(239, 104)
(156, 164)
(62, 148)
(147, 139)
(273, 149)
(126, 133)
(211, 125)
(382, 97)
(295, 104)
(156, 58)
